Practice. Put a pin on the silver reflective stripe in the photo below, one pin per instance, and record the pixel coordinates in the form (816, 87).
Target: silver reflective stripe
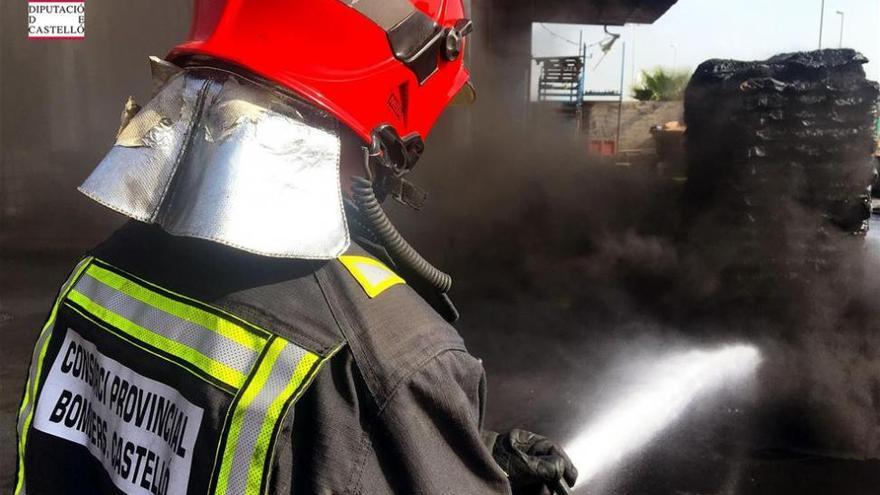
(281, 373)
(385, 13)
(34, 373)
(206, 341)
(30, 388)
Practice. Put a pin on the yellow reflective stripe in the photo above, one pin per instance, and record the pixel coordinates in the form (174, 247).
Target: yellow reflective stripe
(224, 327)
(373, 283)
(53, 314)
(36, 371)
(247, 397)
(27, 420)
(214, 368)
(22, 442)
(280, 379)
(308, 376)
(133, 341)
(258, 461)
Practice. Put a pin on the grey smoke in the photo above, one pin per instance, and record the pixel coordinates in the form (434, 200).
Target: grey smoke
(565, 265)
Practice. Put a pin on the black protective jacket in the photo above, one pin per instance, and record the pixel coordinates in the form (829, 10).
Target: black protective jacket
(392, 404)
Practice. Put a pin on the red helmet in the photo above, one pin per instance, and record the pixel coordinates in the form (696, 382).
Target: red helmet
(374, 64)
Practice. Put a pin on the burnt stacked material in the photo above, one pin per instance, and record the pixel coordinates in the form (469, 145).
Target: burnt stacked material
(779, 154)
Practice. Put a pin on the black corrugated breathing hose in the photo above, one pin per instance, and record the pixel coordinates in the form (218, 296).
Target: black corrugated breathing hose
(364, 197)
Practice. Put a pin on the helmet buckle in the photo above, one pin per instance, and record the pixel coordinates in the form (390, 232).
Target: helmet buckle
(395, 157)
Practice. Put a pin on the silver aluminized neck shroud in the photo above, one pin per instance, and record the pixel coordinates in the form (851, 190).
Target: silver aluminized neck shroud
(219, 157)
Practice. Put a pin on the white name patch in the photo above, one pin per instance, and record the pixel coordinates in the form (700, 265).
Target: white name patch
(142, 431)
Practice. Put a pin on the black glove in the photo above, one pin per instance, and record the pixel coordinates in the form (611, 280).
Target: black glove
(534, 464)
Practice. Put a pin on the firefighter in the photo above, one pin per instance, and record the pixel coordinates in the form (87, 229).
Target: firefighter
(259, 326)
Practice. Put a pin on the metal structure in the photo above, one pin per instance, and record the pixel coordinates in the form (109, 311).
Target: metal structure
(561, 78)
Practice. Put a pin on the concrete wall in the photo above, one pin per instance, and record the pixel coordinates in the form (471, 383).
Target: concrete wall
(636, 121)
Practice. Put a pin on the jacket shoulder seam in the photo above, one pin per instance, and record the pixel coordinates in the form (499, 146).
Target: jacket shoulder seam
(406, 378)
(343, 323)
(302, 339)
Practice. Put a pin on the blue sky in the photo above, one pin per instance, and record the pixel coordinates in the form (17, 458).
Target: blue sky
(704, 29)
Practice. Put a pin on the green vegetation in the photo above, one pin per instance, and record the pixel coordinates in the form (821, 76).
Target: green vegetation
(661, 85)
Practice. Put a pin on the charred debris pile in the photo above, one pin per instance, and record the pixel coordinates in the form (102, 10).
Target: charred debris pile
(779, 162)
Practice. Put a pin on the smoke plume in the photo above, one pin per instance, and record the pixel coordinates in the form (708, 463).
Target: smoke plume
(568, 266)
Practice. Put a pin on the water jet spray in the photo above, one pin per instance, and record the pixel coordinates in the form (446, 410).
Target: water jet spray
(670, 386)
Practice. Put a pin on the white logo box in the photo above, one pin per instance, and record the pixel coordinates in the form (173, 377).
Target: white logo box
(65, 20)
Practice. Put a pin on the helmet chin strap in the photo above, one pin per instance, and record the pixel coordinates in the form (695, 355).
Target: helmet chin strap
(380, 172)
(387, 161)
